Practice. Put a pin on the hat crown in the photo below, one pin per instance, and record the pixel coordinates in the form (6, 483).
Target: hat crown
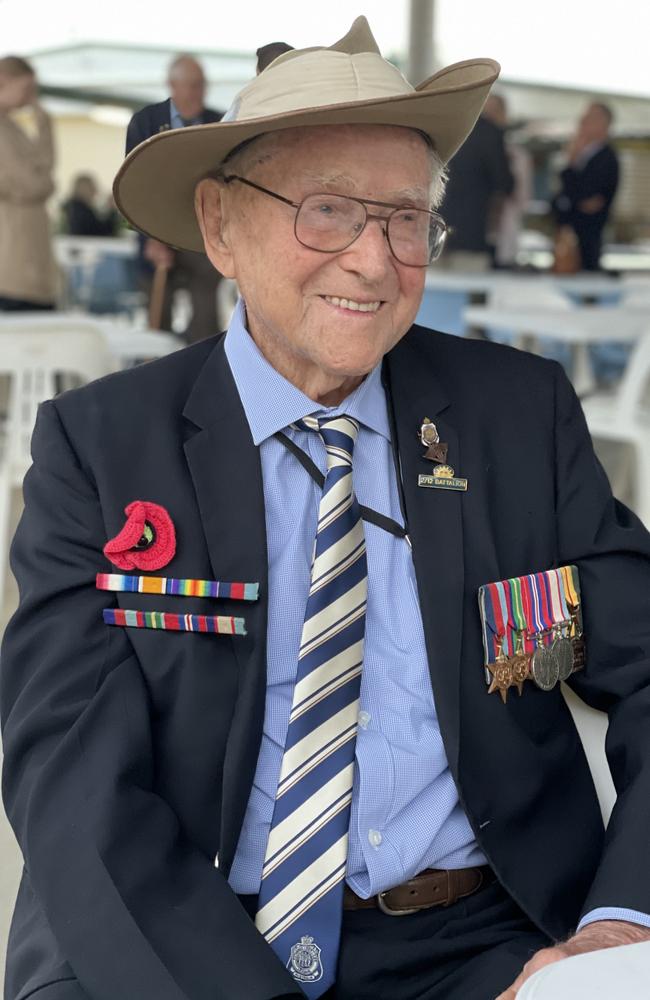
(317, 78)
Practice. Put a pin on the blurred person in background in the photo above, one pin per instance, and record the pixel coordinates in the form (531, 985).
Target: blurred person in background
(479, 173)
(588, 185)
(161, 267)
(267, 53)
(81, 217)
(508, 211)
(28, 275)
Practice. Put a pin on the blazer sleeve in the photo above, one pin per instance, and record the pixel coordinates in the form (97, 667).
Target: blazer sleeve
(138, 911)
(612, 551)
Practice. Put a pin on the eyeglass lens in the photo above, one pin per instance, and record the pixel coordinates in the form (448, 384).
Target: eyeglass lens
(332, 222)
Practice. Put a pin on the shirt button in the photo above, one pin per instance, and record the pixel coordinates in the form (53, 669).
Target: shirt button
(363, 718)
(375, 838)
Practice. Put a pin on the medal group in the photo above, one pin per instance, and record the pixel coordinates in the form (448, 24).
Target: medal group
(532, 630)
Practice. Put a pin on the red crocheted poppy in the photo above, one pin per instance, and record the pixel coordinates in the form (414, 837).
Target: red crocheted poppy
(147, 540)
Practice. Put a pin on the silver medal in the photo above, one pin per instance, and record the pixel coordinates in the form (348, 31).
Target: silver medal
(544, 668)
(562, 650)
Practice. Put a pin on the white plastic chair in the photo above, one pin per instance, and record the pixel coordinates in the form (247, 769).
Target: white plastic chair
(624, 416)
(528, 293)
(32, 358)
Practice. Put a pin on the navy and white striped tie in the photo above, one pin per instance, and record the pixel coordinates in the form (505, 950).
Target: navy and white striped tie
(301, 895)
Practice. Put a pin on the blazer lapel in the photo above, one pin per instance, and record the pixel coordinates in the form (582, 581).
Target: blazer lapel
(226, 471)
(434, 519)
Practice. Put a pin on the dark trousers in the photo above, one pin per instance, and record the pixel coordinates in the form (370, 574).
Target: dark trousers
(194, 272)
(472, 950)
(590, 236)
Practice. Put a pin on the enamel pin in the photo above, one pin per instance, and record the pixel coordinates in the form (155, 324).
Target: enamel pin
(436, 449)
(443, 478)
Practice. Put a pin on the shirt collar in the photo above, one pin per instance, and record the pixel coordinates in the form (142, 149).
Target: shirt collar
(271, 402)
(176, 120)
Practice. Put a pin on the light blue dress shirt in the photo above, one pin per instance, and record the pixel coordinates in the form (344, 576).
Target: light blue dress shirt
(406, 815)
(175, 119)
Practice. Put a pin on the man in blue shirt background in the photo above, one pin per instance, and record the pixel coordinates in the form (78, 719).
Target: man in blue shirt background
(180, 268)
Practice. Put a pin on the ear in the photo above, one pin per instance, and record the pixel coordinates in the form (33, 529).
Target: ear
(209, 208)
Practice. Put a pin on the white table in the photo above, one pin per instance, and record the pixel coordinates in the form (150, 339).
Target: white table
(128, 344)
(611, 974)
(139, 345)
(483, 283)
(578, 327)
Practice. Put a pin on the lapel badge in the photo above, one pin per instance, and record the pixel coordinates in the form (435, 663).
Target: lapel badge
(443, 478)
(147, 540)
(429, 437)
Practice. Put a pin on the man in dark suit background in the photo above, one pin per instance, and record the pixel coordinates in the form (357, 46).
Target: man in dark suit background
(142, 763)
(589, 183)
(478, 175)
(178, 268)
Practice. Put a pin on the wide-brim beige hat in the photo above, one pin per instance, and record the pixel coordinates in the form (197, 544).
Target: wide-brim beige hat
(348, 83)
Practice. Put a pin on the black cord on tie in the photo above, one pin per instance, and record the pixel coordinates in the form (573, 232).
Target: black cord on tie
(372, 516)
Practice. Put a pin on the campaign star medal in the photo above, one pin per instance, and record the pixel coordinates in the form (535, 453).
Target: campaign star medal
(501, 671)
(520, 664)
(436, 449)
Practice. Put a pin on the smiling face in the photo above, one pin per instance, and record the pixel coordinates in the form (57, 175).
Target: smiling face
(323, 320)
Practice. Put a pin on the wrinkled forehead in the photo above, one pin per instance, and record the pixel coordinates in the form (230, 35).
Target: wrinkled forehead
(323, 150)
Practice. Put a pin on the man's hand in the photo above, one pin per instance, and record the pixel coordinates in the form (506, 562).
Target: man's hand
(159, 254)
(589, 206)
(593, 937)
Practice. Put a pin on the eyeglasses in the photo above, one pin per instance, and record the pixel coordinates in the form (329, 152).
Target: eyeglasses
(331, 223)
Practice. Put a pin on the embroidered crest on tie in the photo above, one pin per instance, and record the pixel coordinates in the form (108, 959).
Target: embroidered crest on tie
(301, 894)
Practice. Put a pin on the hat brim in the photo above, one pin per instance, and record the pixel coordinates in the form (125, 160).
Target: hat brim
(154, 188)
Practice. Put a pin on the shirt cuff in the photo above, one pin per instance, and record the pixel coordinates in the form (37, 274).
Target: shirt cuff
(614, 913)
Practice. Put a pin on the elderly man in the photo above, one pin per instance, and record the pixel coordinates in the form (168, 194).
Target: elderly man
(278, 769)
(181, 269)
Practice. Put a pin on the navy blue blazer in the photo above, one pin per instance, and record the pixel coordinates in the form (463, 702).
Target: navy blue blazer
(130, 753)
(156, 118)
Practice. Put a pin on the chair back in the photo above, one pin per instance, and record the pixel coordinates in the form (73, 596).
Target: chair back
(39, 362)
(635, 291)
(633, 391)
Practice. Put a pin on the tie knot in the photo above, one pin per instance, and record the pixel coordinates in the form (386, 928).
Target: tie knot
(339, 435)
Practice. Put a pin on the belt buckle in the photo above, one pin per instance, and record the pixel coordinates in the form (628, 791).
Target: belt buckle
(385, 908)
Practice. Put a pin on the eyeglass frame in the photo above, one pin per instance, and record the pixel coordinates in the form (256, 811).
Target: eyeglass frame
(228, 178)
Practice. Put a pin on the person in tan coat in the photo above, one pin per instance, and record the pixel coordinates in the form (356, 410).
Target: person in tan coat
(27, 267)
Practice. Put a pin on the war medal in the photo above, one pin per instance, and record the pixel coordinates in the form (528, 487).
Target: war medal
(501, 671)
(562, 650)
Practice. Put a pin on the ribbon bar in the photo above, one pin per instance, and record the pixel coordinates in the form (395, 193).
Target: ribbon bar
(164, 620)
(182, 588)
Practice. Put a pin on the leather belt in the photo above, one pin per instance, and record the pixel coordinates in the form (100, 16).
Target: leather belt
(432, 887)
